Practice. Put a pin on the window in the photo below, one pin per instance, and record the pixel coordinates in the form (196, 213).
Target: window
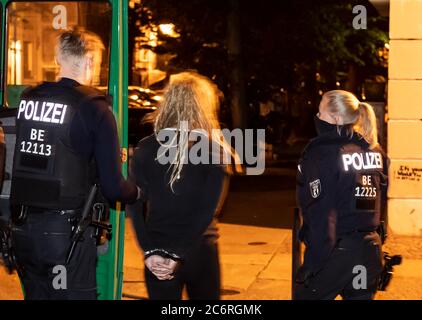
(32, 30)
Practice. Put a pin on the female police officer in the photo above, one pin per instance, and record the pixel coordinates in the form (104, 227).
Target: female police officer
(341, 188)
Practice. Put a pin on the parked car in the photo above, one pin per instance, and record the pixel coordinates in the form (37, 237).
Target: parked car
(142, 106)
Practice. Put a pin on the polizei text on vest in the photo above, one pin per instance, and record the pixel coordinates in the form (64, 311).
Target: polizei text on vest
(42, 111)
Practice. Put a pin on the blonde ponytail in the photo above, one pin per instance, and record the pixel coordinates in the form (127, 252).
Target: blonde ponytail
(357, 116)
(366, 124)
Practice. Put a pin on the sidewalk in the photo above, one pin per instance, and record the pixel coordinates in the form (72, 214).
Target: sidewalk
(256, 264)
(253, 260)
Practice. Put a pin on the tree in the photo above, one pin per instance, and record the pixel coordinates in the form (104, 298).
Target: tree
(303, 46)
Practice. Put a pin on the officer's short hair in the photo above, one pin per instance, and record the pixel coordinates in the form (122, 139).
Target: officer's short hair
(73, 43)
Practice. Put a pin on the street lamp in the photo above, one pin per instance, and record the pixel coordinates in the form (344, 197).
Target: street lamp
(167, 29)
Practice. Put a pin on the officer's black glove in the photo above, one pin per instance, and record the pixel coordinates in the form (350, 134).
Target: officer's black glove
(5, 247)
(303, 276)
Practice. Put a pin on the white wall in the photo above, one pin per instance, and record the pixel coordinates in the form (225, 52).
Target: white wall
(405, 117)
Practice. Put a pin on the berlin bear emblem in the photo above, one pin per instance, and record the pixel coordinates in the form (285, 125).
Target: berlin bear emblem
(315, 188)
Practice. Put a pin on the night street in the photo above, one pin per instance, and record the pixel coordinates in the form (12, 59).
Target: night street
(125, 123)
(262, 201)
(255, 246)
(258, 213)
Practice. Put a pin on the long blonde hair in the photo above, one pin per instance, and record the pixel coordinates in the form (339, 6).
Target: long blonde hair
(360, 116)
(193, 99)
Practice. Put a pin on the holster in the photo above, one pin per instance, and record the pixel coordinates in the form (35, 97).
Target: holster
(6, 248)
(382, 231)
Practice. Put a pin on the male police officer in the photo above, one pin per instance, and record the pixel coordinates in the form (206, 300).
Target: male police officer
(66, 138)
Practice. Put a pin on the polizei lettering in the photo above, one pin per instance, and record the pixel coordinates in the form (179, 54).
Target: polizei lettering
(362, 161)
(48, 112)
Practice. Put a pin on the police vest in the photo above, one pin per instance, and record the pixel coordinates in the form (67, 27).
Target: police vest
(365, 169)
(47, 172)
(359, 184)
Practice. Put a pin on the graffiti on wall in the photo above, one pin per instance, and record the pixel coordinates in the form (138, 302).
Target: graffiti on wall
(408, 173)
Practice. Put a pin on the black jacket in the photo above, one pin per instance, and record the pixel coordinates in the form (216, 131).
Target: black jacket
(174, 222)
(341, 188)
(93, 136)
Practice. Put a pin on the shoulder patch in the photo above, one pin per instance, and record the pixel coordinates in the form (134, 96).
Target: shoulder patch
(315, 187)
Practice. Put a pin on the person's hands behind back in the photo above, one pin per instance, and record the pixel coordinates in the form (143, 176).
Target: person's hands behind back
(162, 268)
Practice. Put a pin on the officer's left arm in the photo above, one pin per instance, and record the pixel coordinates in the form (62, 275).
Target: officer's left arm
(318, 203)
(94, 132)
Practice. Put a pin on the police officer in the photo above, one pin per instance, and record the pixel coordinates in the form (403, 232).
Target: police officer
(66, 140)
(341, 190)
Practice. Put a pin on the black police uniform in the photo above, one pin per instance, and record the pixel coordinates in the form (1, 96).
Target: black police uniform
(341, 190)
(66, 135)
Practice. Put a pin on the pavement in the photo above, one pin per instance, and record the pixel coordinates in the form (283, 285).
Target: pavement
(256, 265)
(255, 247)
(251, 260)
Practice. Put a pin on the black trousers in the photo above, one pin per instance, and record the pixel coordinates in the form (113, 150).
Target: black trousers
(352, 271)
(200, 273)
(41, 244)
